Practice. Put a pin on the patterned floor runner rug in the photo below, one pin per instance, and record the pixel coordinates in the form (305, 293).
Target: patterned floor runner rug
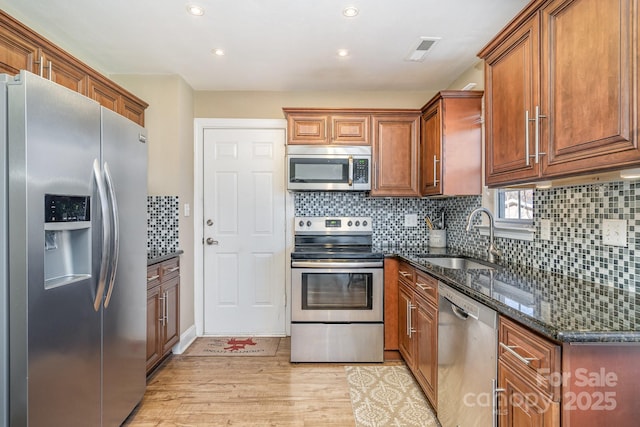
(233, 346)
(387, 396)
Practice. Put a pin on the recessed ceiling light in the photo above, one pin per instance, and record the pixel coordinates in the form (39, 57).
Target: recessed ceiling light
(350, 11)
(219, 52)
(195, 10)
(343, 52)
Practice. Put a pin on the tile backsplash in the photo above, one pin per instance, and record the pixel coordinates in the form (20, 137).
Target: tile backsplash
(163, 213)
(576, 213)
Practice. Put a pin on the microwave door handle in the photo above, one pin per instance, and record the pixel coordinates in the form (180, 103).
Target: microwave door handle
(350, 171)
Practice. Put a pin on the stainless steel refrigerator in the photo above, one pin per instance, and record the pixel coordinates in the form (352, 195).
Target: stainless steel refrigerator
(73, 190)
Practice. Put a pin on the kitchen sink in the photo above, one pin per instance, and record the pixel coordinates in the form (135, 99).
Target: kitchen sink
(456, 263)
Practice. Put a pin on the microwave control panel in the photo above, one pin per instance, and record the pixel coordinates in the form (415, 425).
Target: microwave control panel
(360, 171)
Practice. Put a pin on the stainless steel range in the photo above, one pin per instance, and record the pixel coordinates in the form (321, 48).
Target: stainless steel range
(337, 291)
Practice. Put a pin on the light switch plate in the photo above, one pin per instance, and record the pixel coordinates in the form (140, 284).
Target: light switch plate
(411, 220)
(545, 229)
(614, 232)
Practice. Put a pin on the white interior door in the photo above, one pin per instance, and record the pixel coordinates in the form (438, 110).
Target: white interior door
(244, 231)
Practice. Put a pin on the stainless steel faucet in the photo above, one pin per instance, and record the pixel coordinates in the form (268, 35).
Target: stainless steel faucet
(493, 251)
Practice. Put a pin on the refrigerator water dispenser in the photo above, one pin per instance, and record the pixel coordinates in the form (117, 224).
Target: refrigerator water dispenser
(67, 240)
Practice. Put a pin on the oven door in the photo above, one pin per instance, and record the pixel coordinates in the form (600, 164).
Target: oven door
(339, 294)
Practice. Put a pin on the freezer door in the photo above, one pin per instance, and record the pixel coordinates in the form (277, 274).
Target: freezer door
(124, 326)
(53, 139)
(4, 308)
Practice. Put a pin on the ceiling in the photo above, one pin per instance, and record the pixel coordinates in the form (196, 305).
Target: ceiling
(274, 45)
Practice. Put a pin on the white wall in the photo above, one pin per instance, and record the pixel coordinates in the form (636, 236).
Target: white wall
(169, 122)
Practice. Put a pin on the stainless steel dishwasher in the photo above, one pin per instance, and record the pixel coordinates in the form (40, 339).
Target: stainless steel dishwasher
(467, 369)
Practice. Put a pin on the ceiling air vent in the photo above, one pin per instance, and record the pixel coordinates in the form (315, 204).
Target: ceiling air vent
(425, 44)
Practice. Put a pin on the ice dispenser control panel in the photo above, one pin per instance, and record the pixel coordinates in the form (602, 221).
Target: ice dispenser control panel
(59, 208)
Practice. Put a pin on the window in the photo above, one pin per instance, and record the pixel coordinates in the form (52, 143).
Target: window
(515, 206)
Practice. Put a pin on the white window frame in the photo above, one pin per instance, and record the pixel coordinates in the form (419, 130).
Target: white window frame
(516, 229)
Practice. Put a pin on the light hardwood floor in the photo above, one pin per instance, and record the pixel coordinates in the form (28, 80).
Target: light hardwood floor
(246, 391)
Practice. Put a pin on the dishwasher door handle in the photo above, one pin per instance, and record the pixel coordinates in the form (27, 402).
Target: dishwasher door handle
(459, 312)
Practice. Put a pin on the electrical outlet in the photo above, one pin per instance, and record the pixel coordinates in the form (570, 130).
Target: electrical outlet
(545, 229)
(614, 232)
(411, 220)
(187, 209)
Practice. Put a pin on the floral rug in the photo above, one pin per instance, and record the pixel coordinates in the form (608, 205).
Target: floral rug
(387, 396)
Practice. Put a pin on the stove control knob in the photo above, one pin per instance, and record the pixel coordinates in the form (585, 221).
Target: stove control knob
(357, 223)
(350, 223)
(364, 223)
(301, 223)
(308, 223)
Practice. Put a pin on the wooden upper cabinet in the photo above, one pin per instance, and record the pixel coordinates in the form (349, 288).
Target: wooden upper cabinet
(589, 48)
(23, 49)
(511, 88)
(316, 126)
(396, 154)
(16, 52)
(451, 144)
(561, 91)
(63, 71)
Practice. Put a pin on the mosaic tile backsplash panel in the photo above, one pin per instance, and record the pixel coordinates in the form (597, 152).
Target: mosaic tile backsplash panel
(163, 213)
(576, 213)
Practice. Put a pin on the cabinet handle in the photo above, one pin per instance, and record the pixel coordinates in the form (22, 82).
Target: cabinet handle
(527, 154)
(171, 270)
(537, 120)
(152, 278)
(510, 348)
(435, 178)
(404, 273)
(41, 63)
(423, 286)
(164, 308)
(50, 67)
(410, 330)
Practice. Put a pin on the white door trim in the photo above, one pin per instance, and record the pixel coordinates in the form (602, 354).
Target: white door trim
(198, 202)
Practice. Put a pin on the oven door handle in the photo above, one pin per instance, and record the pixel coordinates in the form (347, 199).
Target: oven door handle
(333, 264)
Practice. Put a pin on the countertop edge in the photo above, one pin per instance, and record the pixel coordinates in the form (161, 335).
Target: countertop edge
(160, 258)
(548, 331)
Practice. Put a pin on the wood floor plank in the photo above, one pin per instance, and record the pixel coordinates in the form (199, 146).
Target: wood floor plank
(246, 391)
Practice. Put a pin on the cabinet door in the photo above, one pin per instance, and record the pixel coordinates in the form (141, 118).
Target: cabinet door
(426, 356)
(307, 128)
(154, 320)
(16, 52)
(63, 71)
(521, 405)
(588, 51)
(511, 94)
(350, 130)
(133, 110)
(405, 323)
(431, 163)
(171, 329)
(105, 95)
(395, 155)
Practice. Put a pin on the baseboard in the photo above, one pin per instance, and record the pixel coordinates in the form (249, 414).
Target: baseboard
(186, 339)
(392, 355)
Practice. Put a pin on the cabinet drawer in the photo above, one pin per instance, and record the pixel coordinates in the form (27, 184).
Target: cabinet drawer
(427, 286)
(170, 268)
(533, 356)
(406, 274)
(153, 275)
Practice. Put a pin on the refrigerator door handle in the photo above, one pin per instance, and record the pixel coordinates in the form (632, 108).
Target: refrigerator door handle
(115, 224)
(106, 234)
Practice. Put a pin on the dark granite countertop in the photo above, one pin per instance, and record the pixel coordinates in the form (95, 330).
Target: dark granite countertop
(559, 307)
(159, 258)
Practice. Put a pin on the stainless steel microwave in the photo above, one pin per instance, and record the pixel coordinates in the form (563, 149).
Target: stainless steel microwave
(328, 168)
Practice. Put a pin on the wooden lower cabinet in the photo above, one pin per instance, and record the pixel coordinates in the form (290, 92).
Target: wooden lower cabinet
(163, 315)
(418, 327)
(521, 404)
(426, 347)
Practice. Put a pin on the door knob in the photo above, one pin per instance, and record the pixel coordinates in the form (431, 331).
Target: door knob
(209, 222)
(210, 241)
